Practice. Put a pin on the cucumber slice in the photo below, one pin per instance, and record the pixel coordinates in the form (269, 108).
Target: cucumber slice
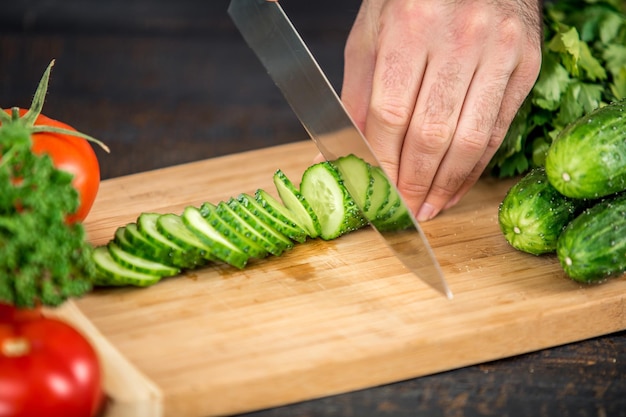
(379, 194)
(221, 247)
(140, 246)
(146, 224)
(275, 237)
(295, 202)
(273, 213)
(248, 246)
(119, 237)
(138, 264)
(174, 229)
(393, 204)
(399, 220)
(357, 178)
(335, 209)
(110, 273)
(229, 216)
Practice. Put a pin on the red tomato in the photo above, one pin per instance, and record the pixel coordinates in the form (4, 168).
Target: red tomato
(74, 155)
(47, 368)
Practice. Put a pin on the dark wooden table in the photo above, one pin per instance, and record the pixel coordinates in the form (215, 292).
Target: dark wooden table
(164, 83)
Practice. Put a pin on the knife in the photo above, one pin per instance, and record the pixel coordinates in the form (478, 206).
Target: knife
(271, 35)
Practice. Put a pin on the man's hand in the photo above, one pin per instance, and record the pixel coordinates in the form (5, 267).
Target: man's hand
(435, 84)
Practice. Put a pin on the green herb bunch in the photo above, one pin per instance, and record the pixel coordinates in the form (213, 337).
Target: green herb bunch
(583, 68)
(43, 259)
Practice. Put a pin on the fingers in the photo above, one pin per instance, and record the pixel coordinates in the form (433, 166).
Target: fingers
(499, 86)
(519, 84)
(435, 85)
(440, 106)
(396, 80)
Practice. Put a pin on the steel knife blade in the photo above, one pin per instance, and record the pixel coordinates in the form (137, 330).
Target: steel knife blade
(271, 35)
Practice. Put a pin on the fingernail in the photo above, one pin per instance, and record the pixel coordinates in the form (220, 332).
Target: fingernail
(426, 212)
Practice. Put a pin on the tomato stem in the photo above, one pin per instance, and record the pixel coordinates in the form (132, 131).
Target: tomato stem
(54, 129)
(29, 118)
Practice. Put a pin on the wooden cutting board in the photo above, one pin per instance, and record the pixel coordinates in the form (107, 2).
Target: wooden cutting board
(326, 317)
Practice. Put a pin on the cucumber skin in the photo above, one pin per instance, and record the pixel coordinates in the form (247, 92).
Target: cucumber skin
(533, 213)
(592, 248)
(592, 153)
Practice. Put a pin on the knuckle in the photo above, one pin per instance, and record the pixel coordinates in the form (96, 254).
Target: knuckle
(435, 136)
(391, 112)
(473, 142)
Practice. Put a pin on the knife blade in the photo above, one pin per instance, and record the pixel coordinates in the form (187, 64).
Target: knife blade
(271, 35)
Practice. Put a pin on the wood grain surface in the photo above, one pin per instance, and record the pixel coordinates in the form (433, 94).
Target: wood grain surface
(328, 317)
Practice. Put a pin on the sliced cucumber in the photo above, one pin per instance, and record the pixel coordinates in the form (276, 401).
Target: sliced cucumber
(175, 230)
(111, 273)
(248, 246)
(251, 226)
(380, 191)
(146, 224)
(274, 236)
(298, 205)
(140, 246)
(231, 217)
(389, 209)
(273, 213)
(399, 220)
(138, 264)
(357, 178)
(221, 247)
(120, 238)
(335, 209)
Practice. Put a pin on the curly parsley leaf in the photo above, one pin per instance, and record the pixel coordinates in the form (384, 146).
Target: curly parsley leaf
(43, 259)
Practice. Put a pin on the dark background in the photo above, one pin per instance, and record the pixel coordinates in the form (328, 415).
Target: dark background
(130, 71)
(167, 82)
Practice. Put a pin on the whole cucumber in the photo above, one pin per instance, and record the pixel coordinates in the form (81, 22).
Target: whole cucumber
(533, 213)
(588, 157)
(592, 247)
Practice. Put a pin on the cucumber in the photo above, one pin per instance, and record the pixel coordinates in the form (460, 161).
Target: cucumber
(138, 264)
(298, 205)
(387, 211)
(592, 247)
(249, 226)
(246, 245)
(331, 202)
(230, 216)
(588, 157)
(147, 226)
(355, 173)
(111, 273)
(141, 246)
(274, 213)
(221, 247)
(277, 239)
(533, 213)
(173, 228)
(119, 237)
(380, 192)
(399, 219)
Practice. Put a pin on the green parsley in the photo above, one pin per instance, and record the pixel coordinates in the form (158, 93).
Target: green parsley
(43, 260)
(583, 68)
